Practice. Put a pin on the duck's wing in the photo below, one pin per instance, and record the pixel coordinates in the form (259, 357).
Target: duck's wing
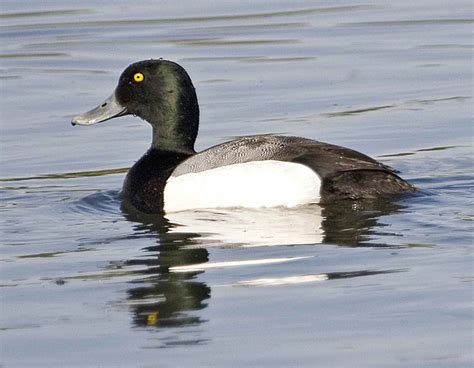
(325, 159)
(344, 173)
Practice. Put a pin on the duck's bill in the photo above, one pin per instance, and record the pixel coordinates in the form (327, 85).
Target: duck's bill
(109, 109)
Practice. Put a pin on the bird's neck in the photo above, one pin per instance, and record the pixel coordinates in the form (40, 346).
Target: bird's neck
(175, 120)
(174, 136)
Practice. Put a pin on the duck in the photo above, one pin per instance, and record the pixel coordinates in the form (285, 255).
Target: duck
(252, 171)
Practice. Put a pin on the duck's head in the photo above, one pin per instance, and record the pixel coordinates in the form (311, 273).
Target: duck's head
(160, 92)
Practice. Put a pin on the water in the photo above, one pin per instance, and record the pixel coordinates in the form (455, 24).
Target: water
(359, 284)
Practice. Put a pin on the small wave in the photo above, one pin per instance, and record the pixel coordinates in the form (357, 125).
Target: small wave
(68, 175)
(100, 202)
(303, 279)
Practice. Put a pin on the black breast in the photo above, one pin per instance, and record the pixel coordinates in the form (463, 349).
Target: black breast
(145, 182)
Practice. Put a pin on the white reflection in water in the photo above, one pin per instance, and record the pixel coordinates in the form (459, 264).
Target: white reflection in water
(284, 280)
(248, 262)
(250, 227)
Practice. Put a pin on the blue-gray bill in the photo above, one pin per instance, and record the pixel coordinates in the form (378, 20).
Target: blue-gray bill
(109, 109)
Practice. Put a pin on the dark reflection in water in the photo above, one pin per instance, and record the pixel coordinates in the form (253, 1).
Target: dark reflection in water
(351, 223)
(163, 298)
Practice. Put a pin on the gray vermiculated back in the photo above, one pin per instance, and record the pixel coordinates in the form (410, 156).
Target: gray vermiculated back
(323, 158)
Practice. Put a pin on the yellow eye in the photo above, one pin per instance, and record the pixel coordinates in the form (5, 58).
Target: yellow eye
(138, 77)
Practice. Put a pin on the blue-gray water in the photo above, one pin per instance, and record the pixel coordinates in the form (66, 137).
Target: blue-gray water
(360, 284)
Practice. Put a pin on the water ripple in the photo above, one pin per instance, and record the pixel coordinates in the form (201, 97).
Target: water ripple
(101, 202)
(155, 21)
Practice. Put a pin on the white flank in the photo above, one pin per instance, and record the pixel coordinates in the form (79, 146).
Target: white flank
(251, 184)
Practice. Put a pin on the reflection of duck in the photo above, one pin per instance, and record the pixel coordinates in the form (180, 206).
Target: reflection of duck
(256, 171)
(352, 223)
(163, 298)
(169, 291)
(342, 223)
(252, 227)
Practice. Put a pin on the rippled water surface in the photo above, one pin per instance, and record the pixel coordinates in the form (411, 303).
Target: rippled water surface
(354, 284)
